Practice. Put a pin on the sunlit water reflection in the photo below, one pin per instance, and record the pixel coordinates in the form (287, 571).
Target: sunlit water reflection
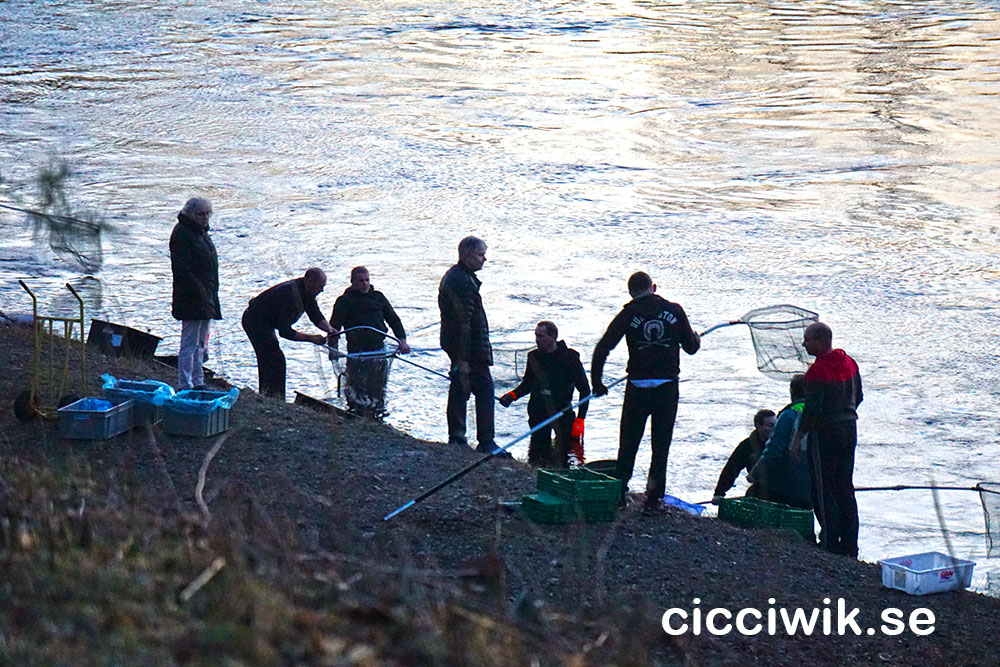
(840, 156)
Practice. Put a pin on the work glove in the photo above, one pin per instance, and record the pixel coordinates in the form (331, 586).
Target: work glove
(507, 399)
(717, 499)
(599, 389)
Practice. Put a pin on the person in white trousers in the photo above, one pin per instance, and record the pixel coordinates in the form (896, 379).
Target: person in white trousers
(195, 267)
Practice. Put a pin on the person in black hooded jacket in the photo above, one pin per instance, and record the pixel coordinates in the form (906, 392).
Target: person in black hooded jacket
(361, 305)
(655, 330)
(553, 370)
(194, 264)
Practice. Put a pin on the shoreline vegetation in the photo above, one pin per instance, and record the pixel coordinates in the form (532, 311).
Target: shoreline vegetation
(266, 546)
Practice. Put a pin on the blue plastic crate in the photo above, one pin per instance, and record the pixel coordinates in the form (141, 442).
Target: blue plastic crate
(94, 419)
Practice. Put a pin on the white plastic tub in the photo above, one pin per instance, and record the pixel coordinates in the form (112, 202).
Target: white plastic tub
(930, 572)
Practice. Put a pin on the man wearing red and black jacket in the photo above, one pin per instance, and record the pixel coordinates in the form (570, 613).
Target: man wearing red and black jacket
(654, 329)
(830, 417)
(553, 370)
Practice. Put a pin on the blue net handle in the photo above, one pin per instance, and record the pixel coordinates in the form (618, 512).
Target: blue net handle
(154, 391)
(194, 402)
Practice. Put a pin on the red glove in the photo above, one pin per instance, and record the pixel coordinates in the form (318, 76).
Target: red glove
(576, 443)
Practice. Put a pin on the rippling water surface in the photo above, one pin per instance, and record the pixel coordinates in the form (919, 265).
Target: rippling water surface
(840, 156)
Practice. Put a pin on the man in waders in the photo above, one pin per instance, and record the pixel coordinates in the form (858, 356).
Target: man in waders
(278, 308)
(364, 311)
(553, 370)
(830, 418)
(654, 329)
(465, 337)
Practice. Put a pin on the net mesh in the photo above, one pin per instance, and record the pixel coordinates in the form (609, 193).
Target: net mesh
(989, 496)
(777, 339)
(362, 379)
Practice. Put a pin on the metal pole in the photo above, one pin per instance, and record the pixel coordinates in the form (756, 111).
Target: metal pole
(476, 464)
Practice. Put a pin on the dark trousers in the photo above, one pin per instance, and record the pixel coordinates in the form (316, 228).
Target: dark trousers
(270, 358)
(479, 383)
(543, 452)
(659, 404)
(832, 472)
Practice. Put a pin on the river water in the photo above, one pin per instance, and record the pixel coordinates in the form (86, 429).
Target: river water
(840, 156)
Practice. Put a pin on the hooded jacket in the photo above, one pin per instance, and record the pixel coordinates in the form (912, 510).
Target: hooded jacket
(371, 309)
(655, 329)
(195, 267)
(550, 378)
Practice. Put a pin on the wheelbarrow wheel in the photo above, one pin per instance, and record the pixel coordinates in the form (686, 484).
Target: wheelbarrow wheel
(67, 400)
(26, 407)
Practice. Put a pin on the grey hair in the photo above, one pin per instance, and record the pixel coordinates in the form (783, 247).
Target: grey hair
(470, 244)
(196, 204)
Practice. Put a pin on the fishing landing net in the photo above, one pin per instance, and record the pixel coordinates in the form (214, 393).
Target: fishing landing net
(362, 379)
(777, 332)
(989, 496)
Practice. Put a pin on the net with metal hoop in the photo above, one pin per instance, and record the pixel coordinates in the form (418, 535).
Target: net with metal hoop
(777, 339)
(362, 378)
(989, 496)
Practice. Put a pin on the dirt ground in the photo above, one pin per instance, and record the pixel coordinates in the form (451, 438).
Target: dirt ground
(102, 540)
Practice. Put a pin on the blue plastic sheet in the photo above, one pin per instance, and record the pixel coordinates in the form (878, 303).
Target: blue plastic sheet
(195, 402)
(144, 391)
(684, 505)
(89, 405)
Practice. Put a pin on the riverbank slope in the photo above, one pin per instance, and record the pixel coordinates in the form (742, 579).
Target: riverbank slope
(146, 549)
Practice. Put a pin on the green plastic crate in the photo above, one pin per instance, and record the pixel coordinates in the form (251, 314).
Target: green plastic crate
(798, 520)
(545, 508)
(754, 512)
(580, 485)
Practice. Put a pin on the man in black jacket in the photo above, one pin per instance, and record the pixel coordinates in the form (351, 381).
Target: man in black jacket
(553, 370)
(280, 307)
(195, 267)
(363, 312)
(465, 337)
(654, 329)
(745, 457)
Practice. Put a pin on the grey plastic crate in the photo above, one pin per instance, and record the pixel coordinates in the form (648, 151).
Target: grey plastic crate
(92, 419)
(145, 411)
(180, 422)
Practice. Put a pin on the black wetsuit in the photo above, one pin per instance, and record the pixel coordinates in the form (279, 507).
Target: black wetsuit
(549, 379)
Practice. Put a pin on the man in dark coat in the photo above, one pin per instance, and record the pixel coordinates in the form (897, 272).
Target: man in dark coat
(362, 311)
(830, 418)
(465, 337)
(195, 267)
(654, 329)
(553, 370)
(278, 308)
(745, 457)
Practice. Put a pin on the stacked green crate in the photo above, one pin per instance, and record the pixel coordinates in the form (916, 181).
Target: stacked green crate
(566, 496)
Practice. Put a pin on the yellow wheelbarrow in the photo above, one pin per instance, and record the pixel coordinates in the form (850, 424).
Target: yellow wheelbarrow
(34, 403)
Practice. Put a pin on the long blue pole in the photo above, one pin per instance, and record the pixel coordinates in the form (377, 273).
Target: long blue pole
(473, 466)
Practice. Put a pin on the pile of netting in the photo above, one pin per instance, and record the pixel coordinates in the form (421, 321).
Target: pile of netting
(989, 496)
(777, 339)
